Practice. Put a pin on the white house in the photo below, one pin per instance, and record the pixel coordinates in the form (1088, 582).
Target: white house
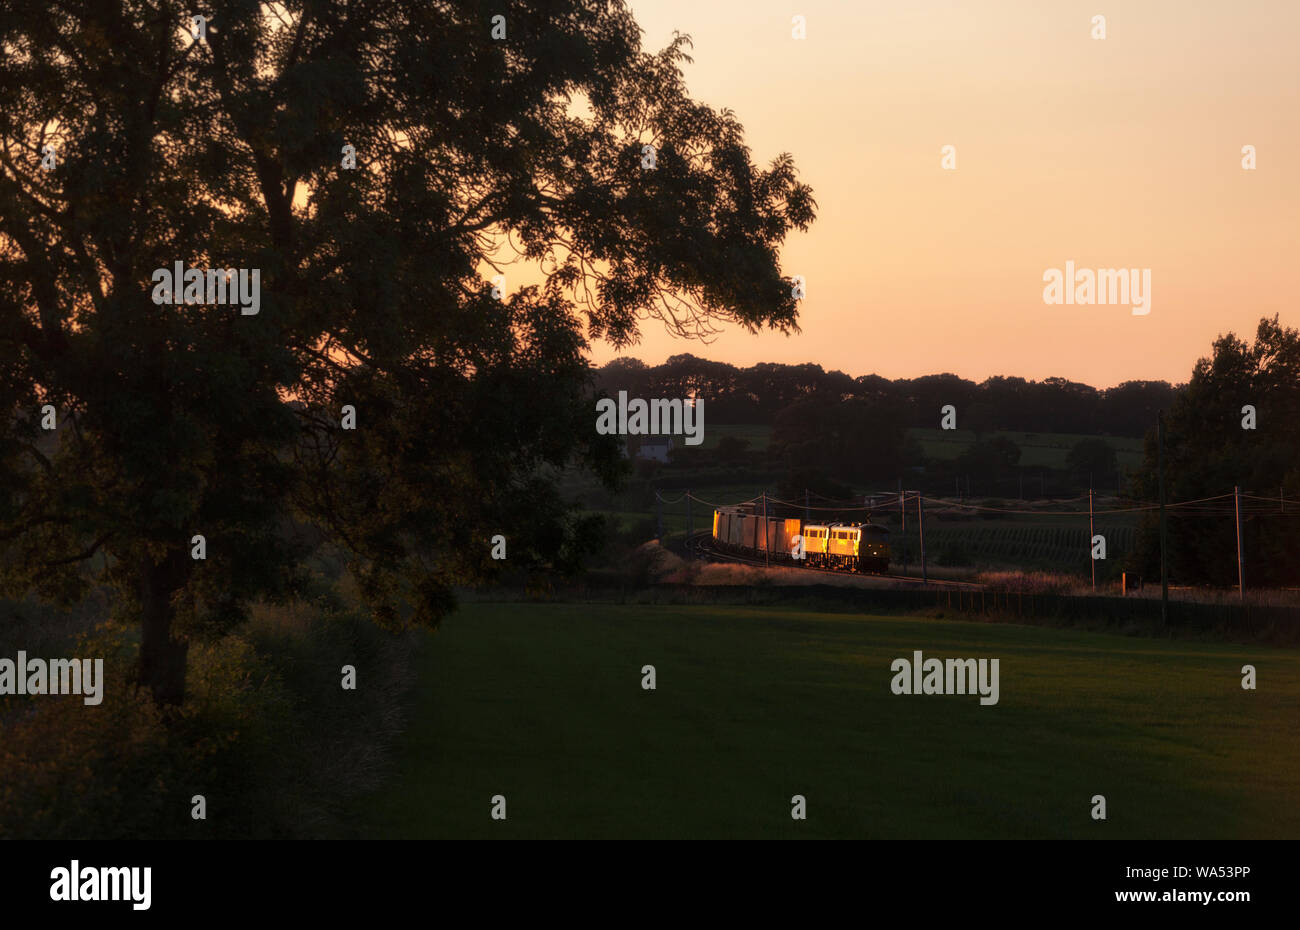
(655, 448)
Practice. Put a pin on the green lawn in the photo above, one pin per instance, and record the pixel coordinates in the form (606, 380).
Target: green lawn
(543, 704)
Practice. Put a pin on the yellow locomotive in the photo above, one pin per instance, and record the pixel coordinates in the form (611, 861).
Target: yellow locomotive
(852, 547)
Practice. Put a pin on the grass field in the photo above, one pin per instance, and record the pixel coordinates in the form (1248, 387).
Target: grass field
(543, 704)
(756, 435)
(1048, 450)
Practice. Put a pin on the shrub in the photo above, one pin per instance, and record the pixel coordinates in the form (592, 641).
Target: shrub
(266, 735)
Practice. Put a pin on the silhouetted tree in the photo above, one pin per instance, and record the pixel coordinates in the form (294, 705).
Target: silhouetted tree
(174, 420)
(988, 460)
(1207, 452)
(853, 440)
(732, 449)
(1092, 459)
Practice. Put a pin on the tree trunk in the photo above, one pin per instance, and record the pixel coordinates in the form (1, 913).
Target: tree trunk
(162, 658)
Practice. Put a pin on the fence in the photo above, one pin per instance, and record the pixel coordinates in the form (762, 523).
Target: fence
(1184, 616)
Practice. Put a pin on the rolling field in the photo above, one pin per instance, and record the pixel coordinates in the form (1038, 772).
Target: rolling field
(756, 435)
(543, 704)
(1061, 546)
(1048, 450)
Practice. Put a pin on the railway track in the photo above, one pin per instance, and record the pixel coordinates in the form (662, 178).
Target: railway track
(702, 545)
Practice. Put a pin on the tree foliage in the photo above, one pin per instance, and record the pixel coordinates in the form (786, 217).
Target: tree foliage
(755, 394)
(989, 459)
(1092, 460)
(1208, 452)
(226, 153)
(853, 440)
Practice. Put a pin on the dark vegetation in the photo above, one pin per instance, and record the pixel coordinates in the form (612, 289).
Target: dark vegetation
(760, 393)
(178, 420)
(831, 432)
(267, 736)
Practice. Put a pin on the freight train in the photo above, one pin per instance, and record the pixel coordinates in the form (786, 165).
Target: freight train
(851, 547)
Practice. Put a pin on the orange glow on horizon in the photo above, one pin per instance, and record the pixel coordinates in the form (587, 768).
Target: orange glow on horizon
(1115, 153)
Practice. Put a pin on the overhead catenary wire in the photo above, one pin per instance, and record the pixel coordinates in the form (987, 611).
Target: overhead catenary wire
(700, 500)
(889, 500)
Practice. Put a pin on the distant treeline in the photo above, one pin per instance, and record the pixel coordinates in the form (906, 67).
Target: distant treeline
(756, 394)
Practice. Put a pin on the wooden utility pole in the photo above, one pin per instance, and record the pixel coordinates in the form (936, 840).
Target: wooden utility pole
(767, 554)
(902, 529)
(659, 518)
(1241, 567)
(920, 528)
(690, 524)
(1092, 534)
(1164, 526)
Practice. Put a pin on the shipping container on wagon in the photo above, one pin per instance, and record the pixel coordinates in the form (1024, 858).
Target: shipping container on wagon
(781, 534)
(722, 525)
(790, 528)
(736, 530)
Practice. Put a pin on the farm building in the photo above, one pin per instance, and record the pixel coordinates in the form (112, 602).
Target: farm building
(655, 448)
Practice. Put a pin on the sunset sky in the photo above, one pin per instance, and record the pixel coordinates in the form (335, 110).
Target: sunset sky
(1122, 152)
